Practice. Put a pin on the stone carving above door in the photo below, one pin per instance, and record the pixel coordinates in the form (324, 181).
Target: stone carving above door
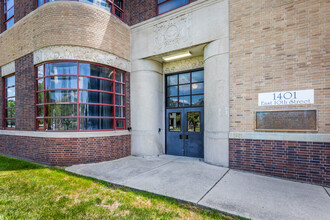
(173, 34)
(183, 65)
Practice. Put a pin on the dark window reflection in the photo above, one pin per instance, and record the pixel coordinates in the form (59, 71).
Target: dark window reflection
(185, 89)
(60, 124)
(95, 84)
(87, 69)
(96, 111)
(95, 97)
(61, 82)
(61, 69)
(194, 121)
(96, 124)
(172, 4)
(174, 121)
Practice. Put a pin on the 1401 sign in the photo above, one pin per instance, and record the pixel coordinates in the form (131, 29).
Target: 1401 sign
(299, 97)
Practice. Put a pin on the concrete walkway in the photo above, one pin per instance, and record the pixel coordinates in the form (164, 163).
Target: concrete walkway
(236, 192)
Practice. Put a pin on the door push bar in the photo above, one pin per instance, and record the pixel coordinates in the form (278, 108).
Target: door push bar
(186, 136)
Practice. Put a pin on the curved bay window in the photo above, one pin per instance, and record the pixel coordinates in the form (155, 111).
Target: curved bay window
(80, 96)
(116, 7)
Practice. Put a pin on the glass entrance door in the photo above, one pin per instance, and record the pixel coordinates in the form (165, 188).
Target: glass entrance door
(185, 114)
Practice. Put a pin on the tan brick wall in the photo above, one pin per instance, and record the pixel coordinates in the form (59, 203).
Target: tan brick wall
(65, 23)
(278, 46)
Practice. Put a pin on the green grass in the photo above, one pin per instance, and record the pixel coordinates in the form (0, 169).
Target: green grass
(33, 191)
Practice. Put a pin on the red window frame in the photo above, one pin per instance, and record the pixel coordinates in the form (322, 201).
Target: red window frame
(78, 103)
(6, 97)
(113, 7)
(158, 4)
(6, 11)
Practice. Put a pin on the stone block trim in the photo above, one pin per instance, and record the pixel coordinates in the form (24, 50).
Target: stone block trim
(65, 23)
(278, 46)
(25, 80)
(302, 161)
(66, 151)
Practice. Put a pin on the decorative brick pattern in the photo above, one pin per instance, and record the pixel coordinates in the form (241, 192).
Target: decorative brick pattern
(23, 8)
(303, 161)
(65, 23)
(278, 46)
(25, 94)
(66, 151)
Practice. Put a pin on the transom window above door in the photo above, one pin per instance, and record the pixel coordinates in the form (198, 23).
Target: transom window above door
(185, 89)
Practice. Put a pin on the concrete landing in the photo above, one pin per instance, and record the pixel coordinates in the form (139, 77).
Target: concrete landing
(239, 193)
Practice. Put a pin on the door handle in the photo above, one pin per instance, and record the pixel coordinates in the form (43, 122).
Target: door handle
(180, 136)
(187, 136)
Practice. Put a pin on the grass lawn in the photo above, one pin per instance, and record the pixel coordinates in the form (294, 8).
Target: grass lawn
(33, 191)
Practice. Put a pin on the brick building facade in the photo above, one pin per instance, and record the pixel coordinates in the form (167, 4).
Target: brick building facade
(68, 111)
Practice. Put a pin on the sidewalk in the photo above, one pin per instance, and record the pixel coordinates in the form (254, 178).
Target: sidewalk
(235, 192)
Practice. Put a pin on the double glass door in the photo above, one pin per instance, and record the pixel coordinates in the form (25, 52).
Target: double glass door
(185, 134)
(185, 114)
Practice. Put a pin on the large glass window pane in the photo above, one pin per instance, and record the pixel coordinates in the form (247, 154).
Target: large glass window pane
(95, 84)
(61, 69)
(184, 90)
(10, 123)
(10, 92)
(40, 84)
(197, 88)
(184, 78)
(171, 5)
(9, 4)
(40, 2)
(119, 76)
(197, 100)
(184, 101)
(10, 81)
(119, 100)
(11, 113)
(87, 69)
(60, 110)
(60, 124)
(61, 96)
(11, 102)
(10, 23)
(172, 80)
(120, 112)
(61, 82)
(40, 110)
(96, 111)
(10, 13)
(96, 124)
(172, 91)
(40, 71)
(40, 97)
(95, 97)
(100, 3)
(197, 76)
(119, 3)
(120, 124)
(119, 88)
(194, 121)
(172, 102)
(174, 121)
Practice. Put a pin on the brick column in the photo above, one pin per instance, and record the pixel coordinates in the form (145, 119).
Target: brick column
(2, 17)
(25, 94)
(23, 8)
(2, 104)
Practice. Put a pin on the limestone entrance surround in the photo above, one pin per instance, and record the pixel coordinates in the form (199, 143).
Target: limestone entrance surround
(182, 29)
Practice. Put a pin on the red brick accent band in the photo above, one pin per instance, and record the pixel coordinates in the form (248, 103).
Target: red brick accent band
(66, 151)
(303, 161)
